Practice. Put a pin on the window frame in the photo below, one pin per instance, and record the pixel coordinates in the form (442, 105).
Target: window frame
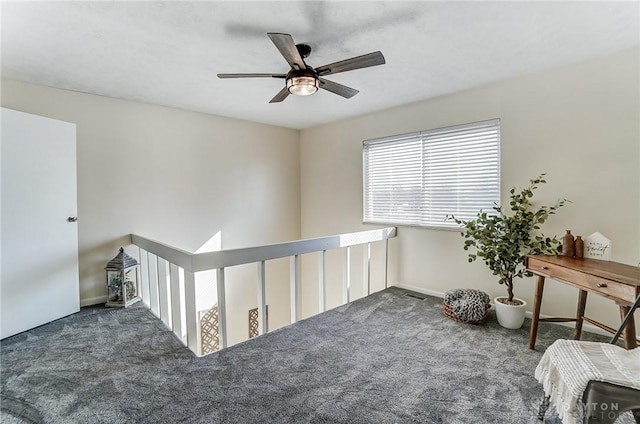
(423, 134)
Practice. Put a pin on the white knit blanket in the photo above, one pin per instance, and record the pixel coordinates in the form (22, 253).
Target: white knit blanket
(567, 366)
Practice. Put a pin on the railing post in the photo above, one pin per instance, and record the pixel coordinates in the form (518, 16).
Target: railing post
(222, 310)
(346, 275)
(154, 303)
(262, 298)
(295, 281)
(191, 315)
(322, 281)
(176, 301)
(163, 292)
(144, 276)
(366, 274)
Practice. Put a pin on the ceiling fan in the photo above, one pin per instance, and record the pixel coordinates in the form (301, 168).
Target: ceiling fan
(303, 79)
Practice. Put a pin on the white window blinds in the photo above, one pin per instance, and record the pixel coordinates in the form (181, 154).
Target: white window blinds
(420, 178)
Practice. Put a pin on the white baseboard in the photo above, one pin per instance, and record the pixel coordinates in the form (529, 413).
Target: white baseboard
(93, 301)
(585, 326)
(420, 290)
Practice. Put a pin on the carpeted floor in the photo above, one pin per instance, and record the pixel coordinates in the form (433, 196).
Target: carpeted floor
(386, 358)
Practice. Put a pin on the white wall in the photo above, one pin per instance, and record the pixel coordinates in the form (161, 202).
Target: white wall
(178, 177)
(579, 124)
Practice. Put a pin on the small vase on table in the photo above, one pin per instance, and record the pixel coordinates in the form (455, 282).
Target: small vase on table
(568, 248)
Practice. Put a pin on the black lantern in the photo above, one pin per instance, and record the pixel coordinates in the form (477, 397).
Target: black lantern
(122, 280)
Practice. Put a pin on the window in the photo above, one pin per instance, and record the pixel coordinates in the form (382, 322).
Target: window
(420, 178)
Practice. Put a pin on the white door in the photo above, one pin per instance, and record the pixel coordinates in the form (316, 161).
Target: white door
(39, 257)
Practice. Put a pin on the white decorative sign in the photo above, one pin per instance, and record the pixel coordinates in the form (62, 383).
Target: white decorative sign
(597, 246)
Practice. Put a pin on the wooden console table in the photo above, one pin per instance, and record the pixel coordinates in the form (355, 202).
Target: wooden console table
(616, 281)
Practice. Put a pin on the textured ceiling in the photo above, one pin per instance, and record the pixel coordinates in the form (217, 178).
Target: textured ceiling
(168, 53)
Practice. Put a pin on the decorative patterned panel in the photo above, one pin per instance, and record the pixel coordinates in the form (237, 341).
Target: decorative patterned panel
(209, 331)
(253, 321)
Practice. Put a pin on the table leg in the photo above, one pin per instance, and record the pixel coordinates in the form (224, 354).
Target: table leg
(629, 330)
(537, 302)
(582, 302)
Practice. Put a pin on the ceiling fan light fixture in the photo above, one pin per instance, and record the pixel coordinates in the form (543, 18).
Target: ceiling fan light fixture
(305, 80)
(302, 85)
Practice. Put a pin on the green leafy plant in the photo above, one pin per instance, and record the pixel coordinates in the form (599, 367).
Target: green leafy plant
(503, 241)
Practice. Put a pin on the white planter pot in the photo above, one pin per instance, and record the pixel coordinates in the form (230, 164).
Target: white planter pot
(510, 316)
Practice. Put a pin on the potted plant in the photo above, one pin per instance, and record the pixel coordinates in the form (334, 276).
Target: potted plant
(503, 241)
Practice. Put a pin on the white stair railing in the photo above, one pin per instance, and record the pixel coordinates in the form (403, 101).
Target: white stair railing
(168, 281)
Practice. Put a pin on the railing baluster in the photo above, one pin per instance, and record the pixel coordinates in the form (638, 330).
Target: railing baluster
(386, 260)
(366, 274)
(163, 292)
(262, 298)
(322, 281)
(191, 315)
(222, 310)
(295, 282)
(144, 276)
(176, 301)
(154, 304)
(346, 275)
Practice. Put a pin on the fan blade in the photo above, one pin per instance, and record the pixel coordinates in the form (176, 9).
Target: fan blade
(282, 94)
(288, 49)
(364, 61)
(252, 76)
(339, 89)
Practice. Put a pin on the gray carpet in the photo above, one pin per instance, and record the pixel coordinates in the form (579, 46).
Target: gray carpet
(387, 358)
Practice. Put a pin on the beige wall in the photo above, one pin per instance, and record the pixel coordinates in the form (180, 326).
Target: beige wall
(178, 177)
(181, 177)
(579, 124)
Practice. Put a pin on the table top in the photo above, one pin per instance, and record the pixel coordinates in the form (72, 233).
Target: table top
(615, 271)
